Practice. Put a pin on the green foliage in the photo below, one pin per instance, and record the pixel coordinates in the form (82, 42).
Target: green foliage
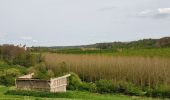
(33, 59)
(162, 90)
(146, 52)
(91, 87)
(8, 73)
(108, 86)
(8, 77)
(74, 82)
(104, 86)
(41, 72)
(13, 72)
(128, 89)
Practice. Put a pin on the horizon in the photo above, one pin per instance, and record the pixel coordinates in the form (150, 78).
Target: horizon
(74, 22)
(83, 44)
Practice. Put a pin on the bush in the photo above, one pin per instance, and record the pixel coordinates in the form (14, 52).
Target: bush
(74, 82)
(127, 88)
(91, 87)
(108, 86)
(41, 71)
(7, 80)
(104, 86)
(8, 77)
(162, 90)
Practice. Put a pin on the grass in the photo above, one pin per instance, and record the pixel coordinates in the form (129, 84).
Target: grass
(70, 95)
(150, 52)
(141, 71)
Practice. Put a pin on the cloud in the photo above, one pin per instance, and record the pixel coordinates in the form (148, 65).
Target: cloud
(158, 13)
(26, 38)
(164, 10)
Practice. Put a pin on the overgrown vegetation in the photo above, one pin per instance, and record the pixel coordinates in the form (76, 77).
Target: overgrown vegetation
(123, 87)
(138, 68)
(128, 75)
(143, 71)
(17, 55)
(8, 73)
(14, 61)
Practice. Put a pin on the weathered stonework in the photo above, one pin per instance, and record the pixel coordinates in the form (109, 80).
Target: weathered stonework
(53, 85)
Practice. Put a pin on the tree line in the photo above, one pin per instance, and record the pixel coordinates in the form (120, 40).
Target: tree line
(19, 55)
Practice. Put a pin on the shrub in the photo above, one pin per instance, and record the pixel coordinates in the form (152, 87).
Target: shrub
(91, 87)
(108, 86)
(163, 90)
(41, 71)
(8, 77)
(104, 86)
(131, 89)
(13, 72)
(74, 82)
(6, 80)
(127, 88)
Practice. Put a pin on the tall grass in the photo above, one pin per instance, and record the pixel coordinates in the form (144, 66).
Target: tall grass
(142, 71)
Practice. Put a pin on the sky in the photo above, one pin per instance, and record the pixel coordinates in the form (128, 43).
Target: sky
(80, 22)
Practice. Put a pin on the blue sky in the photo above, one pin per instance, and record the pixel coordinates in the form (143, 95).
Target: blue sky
(75, 22)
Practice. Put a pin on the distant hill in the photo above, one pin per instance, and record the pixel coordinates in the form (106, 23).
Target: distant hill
(144, 43)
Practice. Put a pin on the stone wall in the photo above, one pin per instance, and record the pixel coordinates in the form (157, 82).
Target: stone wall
(53, 85)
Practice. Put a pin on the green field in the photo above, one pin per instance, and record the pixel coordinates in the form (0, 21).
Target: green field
(70, 95)
(150, 52)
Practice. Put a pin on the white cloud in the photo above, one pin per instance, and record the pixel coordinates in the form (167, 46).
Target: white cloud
(164, 10)
(158, 13)
(146, 12)
(26, 38)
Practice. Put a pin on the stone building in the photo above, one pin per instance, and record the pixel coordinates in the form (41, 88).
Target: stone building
(52, 85)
